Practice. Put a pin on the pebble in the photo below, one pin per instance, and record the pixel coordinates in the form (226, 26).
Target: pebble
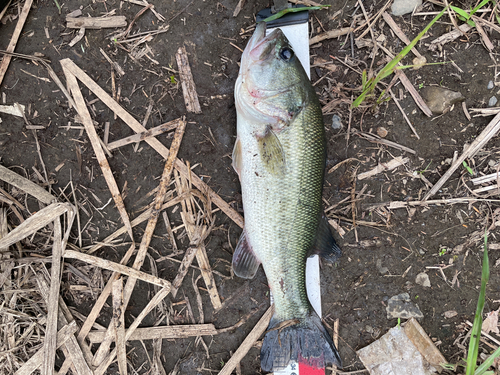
(382, 270)
(336, 122)
(400, 7)
(400, 306)
(440, 99)
(492, 102)
(382, 132)
(423, 279)
(490, 85)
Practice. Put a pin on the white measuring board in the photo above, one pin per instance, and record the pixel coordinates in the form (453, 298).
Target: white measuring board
(298, 36)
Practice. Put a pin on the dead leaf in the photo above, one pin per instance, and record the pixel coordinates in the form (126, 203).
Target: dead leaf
(490, 324)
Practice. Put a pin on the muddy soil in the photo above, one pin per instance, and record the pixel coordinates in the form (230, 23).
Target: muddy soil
(405, 241)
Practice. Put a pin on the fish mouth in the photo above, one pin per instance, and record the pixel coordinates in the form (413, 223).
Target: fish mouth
(259, 43)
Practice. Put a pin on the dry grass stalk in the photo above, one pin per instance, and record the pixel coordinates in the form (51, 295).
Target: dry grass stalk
(252, 337)
(438, 43)
(448, 201)
(116, 267)
(489, 132)
(14, 179)
(376, 139)
(151, 225)
(414, 93)
(399, 33)
(183, 269)
(77, 352)
(238, 8)
(187, 82)
(96, 22)
(4, 65)
(154, 143)
(114, 64)
(153, 132)
(101, 370)
(37, 221)
(119, 323)
(197, 234)
(404, 114)
(138, 220)
(35, 361)
(53, 302)
(331, 34)
(162, 332)
(83, 111)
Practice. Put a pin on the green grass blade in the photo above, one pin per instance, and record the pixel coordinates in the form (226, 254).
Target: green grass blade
(293, 10)
(391, 65)
(486, 364)
(479, 6)
(478, 319)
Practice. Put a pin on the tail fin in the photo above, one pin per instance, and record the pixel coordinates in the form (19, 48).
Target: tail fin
(308, 340)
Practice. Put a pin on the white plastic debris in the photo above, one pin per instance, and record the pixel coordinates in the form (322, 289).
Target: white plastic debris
(401, 351)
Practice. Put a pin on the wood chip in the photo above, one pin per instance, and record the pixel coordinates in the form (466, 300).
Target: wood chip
(96, 22)
(187, 82)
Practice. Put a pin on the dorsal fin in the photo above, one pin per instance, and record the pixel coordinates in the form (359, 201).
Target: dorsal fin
(325, 245)
(245, 262)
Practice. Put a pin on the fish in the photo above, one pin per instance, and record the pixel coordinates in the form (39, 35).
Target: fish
(280, 156)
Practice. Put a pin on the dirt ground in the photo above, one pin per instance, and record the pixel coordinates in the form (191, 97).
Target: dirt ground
(404, 241)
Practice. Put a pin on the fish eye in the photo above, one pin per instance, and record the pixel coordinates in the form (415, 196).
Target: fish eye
(286, 53)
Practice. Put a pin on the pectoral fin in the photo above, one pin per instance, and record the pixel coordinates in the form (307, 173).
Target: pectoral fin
(271, 152)
(245, 262)
(237, 158)
(325, 245)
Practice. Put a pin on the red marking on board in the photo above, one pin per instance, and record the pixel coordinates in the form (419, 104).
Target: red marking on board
(305, 369)
(314, 367)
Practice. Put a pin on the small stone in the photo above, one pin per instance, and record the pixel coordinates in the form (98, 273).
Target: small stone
(423, 279)
(382, 132)
(369, 329)
(492, 102)
(490, 85)
(382, 270)
(401, 7)
(336, 122)
(450, 314)
(440, 99)
(400, 306)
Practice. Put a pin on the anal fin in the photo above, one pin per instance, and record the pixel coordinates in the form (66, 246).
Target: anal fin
(325, 245)
(245, 262)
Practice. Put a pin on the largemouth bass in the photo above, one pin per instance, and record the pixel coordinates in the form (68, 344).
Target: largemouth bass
(279, 156)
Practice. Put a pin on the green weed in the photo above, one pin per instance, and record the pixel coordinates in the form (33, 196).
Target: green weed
(370, 84)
